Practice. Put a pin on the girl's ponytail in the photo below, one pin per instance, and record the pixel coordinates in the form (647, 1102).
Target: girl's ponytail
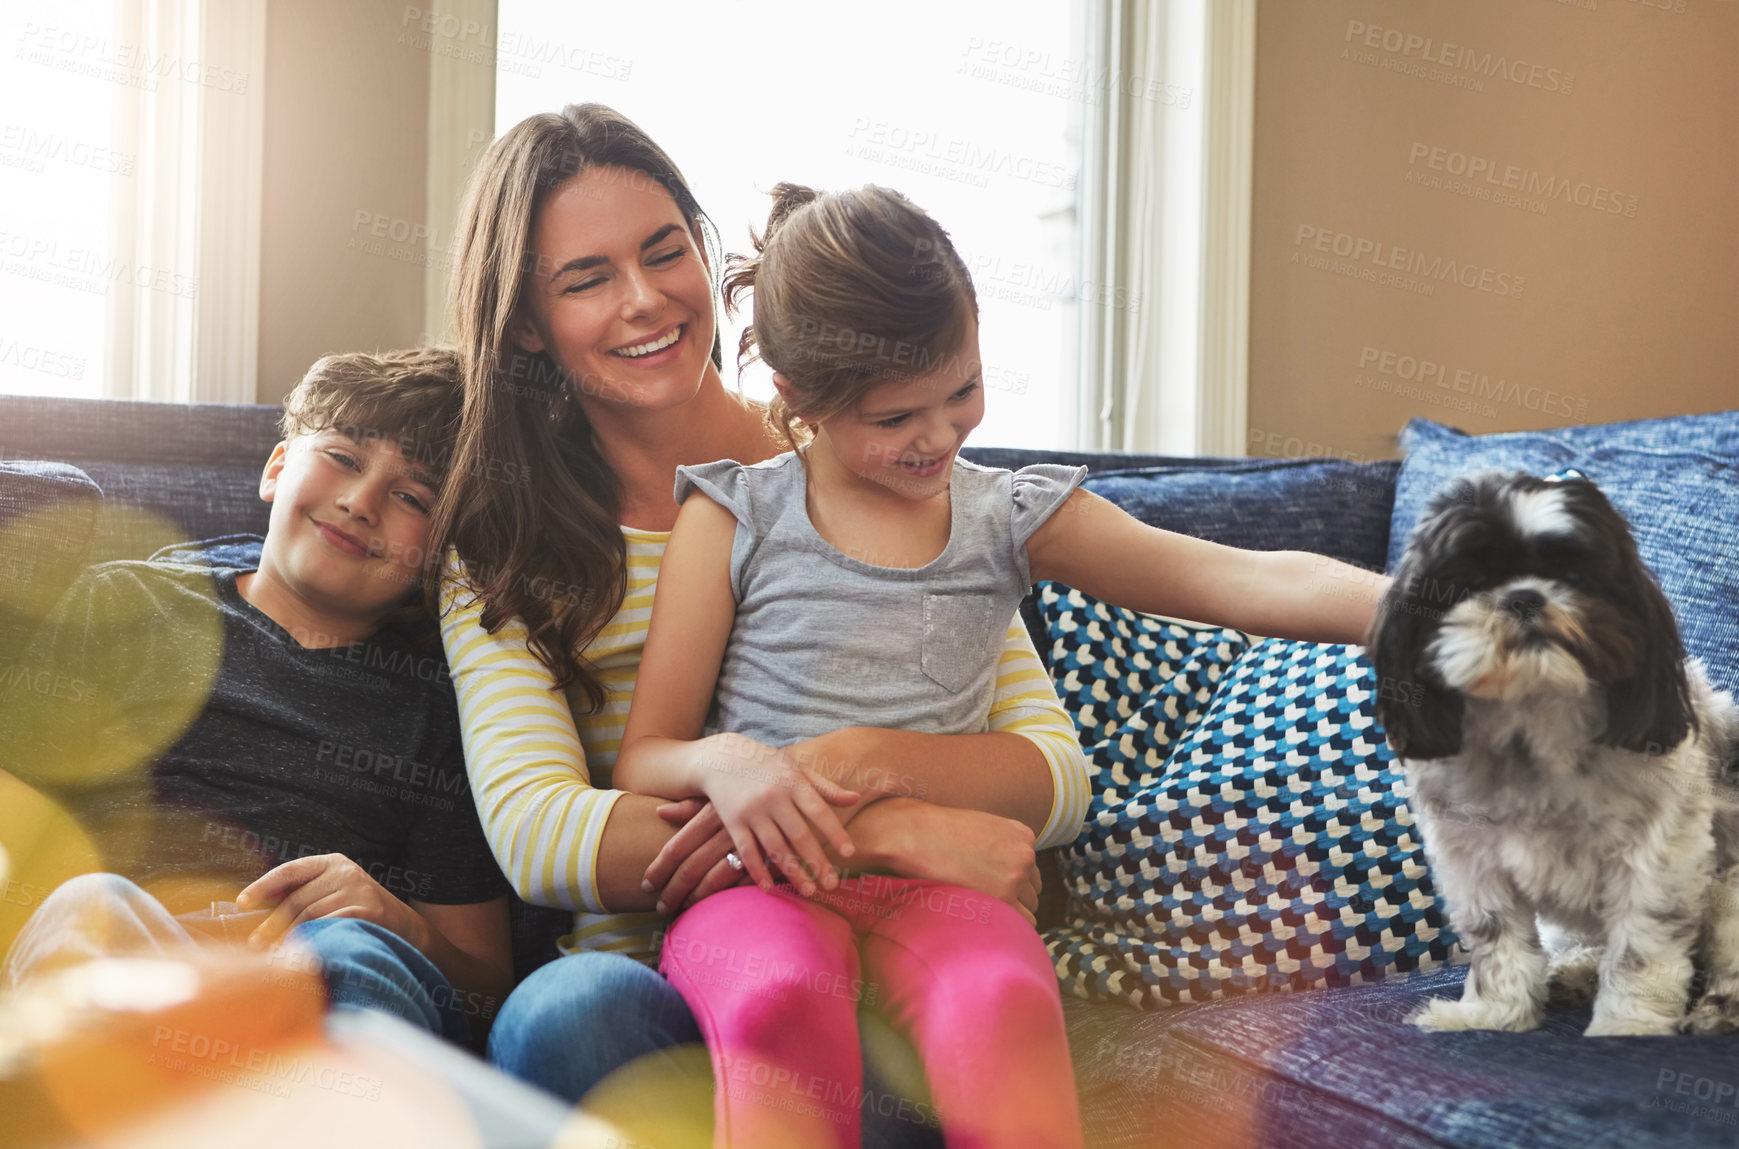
(741, 271)
(850, 289)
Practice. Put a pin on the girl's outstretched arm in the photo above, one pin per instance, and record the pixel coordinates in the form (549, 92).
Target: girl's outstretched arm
(772, 808)
(1097, 547)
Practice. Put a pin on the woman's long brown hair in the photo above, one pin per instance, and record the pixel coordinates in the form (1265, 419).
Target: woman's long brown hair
(530, 505)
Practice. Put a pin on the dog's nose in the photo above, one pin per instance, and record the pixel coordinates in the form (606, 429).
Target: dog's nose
(1525, 604)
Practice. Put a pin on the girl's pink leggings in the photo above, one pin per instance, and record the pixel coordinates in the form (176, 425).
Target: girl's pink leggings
(775, 982)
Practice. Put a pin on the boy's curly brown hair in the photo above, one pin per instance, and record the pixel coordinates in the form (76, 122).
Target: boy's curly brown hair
(412, 397)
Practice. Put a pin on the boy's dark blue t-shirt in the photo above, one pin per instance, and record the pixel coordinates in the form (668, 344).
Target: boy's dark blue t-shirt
(200, 745)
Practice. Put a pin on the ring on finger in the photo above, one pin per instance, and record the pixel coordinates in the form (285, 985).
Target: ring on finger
(734, 862)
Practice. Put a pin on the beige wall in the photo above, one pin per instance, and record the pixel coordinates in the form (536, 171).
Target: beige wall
(1559, 247)
(344, 234)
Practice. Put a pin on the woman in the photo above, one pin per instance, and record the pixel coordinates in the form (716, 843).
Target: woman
(584, 307)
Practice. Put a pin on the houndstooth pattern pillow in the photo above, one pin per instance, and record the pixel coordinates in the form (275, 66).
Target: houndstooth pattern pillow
(1249, 828)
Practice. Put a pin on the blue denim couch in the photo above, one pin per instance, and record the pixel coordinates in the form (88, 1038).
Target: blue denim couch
(1334, 1067)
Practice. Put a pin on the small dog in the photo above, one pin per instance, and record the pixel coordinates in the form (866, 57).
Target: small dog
(1569, 768)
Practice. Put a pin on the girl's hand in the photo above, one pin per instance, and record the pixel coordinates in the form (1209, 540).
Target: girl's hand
(692, 865)
(773, 808)
(326, 886)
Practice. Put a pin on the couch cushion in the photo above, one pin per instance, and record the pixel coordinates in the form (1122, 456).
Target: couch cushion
(1014, 458)
(1434, 454)
(1328, 506)
(48, 512)
(152, 506)
(168, 471)
(1343, 1067)
(233, 552)
(1108, 663)
(1248, 827)
(1682, 503)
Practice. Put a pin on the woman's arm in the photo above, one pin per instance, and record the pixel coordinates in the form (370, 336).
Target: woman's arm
(1096, 546)
(913, 839)
(985, 794)
(984, 852)
(559, 840)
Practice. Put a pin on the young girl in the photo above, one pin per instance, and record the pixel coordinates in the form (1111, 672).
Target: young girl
(860, 579)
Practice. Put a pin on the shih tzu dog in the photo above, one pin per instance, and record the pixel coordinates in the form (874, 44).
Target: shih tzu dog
(1570, 770)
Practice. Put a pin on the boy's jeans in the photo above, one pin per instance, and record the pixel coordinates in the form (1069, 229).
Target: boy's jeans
(366, 966)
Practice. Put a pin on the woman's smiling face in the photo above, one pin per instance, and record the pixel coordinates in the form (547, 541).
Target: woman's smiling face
(619, 292)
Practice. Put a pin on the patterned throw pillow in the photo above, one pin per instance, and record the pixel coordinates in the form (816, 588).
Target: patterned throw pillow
(1249, 828)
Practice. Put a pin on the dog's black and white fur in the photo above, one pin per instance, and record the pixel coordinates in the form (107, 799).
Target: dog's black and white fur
(1570, 770)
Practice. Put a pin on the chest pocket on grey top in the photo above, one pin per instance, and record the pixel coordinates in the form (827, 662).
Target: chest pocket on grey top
(957, 629)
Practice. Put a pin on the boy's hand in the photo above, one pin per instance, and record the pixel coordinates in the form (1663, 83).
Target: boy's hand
(772, 808)
(326, 886)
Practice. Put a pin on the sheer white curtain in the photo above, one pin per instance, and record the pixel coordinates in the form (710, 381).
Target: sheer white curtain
(461, 126)
(1166, 208)
(183, 307)
(1229, 102)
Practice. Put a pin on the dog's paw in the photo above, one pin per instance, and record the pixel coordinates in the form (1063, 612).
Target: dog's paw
(1715, 1013)
(1630, 1027)
(1573, 978)
(1442, 1015)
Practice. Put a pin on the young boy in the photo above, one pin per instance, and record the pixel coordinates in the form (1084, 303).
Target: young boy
(272, 725)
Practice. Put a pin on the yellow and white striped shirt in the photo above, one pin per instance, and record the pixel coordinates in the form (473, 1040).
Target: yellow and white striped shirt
(540, 772)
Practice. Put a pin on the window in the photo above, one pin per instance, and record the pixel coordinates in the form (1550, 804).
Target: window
(130, 167)
(59, 169)
(1089, 157)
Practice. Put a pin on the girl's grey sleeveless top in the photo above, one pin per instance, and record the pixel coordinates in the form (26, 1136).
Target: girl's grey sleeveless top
(822, 640)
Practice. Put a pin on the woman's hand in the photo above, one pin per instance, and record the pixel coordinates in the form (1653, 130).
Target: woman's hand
(692, 865)
(984, 852)
(773, 808)
(326, 886)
